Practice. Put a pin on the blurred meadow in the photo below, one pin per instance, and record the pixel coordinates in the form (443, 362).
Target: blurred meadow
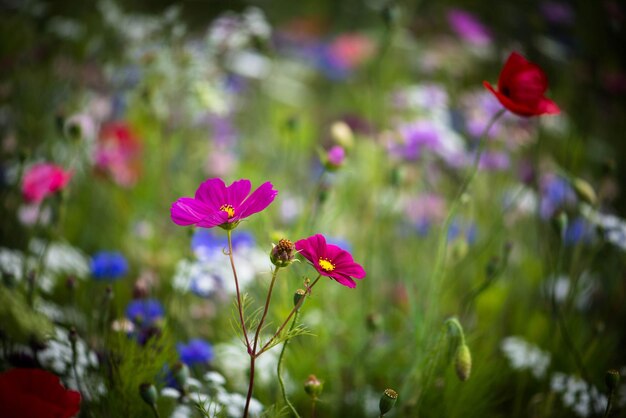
(493, 243)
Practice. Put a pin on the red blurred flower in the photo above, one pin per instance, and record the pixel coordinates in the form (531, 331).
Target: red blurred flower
(521, 88)
(118, 153)
(330, 260)
(42, 180)
(36, 393)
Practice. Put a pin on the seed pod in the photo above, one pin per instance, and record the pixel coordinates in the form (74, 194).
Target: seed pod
(463, 362)
(387, 401)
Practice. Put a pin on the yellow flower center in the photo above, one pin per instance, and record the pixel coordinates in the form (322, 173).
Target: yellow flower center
(228, 209)
(325, 264)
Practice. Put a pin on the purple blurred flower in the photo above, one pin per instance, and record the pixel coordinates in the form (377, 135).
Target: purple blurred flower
(556, 194)
(467, 26)
(426, 210)
(215, 204)
(422, 136)
(197, 351)
(557, 12)
(222, 129)
(494, 161)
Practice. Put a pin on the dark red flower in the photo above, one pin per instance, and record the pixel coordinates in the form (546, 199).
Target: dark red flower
(330, 260)
(521, 88)
(36, 393)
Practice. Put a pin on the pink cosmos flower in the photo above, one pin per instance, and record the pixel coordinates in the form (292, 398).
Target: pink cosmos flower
(44, 179)
(215, 204)
(330, 260)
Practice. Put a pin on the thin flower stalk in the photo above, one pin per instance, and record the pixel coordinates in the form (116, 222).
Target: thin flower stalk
(239, 308)
(252, 353)
(439, 270)
(293, 311)
(279, 369)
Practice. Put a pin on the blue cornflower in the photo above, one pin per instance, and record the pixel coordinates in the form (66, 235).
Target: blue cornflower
(108, 265)
(144, 312)
(578, 231)
(197, 351)
(205, 242)
(458, 228)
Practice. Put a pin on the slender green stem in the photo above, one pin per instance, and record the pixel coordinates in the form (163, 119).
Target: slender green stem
(155, 411)
(239, 308)
(280, 367)
(609, 404)
(265, 309)
(556, 310)
(256, 340)
(250, 385)
(439, 265)
(293, 311)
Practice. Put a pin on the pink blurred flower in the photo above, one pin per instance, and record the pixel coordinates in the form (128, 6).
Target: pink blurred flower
(330, 260)
(335, 157)
(118, 153)
(43, 179)
(350, 50)
(215, 204)
(467, 26)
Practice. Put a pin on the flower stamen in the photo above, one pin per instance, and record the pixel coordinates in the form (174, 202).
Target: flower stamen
(326, 264)
(229, 210)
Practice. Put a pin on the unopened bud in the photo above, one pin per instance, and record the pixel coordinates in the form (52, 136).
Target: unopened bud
(463, 362)
(611, 378)
(283, 253)
(297, 296)
(374, 322)
(148, 393)
(387, 401)
(313, 386)
(342, 134)
(180, 371)
(585, 191)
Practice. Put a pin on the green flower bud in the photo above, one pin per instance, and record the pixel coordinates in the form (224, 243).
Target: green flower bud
(585, 191)
(611, 378)
(387, 401)
(148, 393)
(298, 295)
(283, 254)
(463, 362)
(181, 374)
(313, 386)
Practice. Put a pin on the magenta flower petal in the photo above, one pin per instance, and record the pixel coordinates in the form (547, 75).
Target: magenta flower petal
(188, 211)
(257, 201)
(212, 192)
(215, 204)
(330, 260)
(237, 192)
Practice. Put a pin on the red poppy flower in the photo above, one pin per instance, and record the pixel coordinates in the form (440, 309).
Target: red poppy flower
(521, 88)
(36, 393)
(330, 260)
